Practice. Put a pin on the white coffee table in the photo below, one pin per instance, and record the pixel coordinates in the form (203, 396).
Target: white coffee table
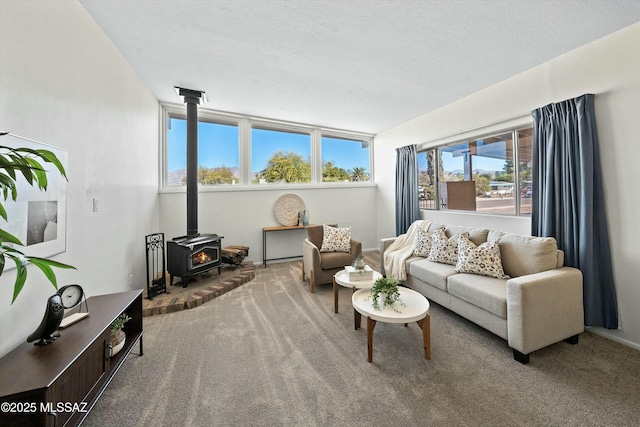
(341, 278)
(415, 309)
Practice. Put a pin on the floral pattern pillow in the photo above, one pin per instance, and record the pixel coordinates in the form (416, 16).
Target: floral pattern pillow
(444, 250)
(422, 243)
(484, 259)
(336, 239)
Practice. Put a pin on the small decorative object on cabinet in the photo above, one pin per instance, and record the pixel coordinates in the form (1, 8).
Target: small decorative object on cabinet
(118, 337)
(67, 297)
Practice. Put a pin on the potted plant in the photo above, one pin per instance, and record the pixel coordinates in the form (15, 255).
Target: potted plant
(358, 262)
(26, 162)
(118, 337)
(385, 291)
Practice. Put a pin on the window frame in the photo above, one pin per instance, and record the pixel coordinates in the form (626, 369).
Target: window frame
(513, 126)
(245, 126)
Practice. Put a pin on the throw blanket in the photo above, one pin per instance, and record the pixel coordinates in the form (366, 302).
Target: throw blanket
(401, 249)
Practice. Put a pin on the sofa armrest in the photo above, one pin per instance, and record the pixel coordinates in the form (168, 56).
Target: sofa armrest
(384, 244)
(544, 308)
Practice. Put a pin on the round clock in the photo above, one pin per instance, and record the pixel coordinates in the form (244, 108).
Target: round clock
(71, 295)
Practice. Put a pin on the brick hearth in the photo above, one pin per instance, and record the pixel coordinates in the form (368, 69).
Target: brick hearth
(202, 289)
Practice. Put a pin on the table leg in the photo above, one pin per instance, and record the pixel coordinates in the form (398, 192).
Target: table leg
(356, 319)
(370, 325)
(425, 325)
(264, 248)
(335, 295)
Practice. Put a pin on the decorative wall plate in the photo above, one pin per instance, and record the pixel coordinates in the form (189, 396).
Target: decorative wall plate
(287, 207)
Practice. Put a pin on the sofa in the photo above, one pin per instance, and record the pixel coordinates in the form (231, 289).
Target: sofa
(538, 304)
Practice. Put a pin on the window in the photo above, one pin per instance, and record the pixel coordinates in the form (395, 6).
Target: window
(246, 153)
(217, 152)
(345, 160)
(525, 157)
(478, 175)
(280, 156)
(427, 179)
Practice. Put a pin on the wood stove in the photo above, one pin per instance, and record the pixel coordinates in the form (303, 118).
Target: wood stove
(190, 256)
(195, 253)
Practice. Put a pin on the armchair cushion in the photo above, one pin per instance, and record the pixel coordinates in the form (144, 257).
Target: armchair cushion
(331, 260)
(336, 239)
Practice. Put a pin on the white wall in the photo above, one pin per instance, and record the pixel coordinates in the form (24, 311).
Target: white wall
(609, 68)
(239, 216)
(62, 82)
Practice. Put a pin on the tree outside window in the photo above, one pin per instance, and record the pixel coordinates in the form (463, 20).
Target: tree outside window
(280, 156)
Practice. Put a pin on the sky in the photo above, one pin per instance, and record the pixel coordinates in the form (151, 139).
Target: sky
(218, 146)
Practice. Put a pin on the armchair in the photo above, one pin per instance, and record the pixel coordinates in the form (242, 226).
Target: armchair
(320, 267)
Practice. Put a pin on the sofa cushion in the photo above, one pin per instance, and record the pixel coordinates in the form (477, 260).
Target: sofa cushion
(485, 292)
(433, 273)
(444, 249)
(336, 239)
(476, 235)
(331, 260)
(522, 255)
(422, 243)
(484, 259)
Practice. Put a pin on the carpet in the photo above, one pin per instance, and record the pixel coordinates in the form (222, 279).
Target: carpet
(269, 353)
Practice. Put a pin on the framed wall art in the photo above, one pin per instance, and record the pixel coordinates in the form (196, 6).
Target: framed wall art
(38, 218)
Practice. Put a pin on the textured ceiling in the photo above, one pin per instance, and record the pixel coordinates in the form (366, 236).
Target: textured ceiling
(364, 65)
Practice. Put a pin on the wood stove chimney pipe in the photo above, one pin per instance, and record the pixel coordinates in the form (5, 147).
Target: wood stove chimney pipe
(192, 99)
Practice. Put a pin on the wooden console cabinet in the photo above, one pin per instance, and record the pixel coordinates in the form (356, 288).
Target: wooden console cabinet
(57, 384)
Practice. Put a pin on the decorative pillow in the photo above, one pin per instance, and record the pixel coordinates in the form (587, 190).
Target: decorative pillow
(484, 259)
(444, 250)
(422, 243)
(336, 239)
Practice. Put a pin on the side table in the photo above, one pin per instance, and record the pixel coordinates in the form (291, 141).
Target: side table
(415, 309)
(342, 279)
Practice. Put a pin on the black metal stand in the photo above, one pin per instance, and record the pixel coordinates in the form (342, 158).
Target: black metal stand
(156, 269)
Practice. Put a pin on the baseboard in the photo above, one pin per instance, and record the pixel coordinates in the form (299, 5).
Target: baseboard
(608, 335)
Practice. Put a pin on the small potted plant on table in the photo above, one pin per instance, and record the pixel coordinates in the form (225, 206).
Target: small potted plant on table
(385, 292)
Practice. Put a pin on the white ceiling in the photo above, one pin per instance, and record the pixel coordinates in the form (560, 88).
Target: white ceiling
(363, 65)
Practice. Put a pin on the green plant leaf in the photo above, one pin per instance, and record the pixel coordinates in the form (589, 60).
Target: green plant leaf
(7, 165)
(21, 276)
(3, 212)
(39, 173)
(1, 262)
(7, 184)
(8, 237)
(51, 262)
(43, 265)
(49, 157)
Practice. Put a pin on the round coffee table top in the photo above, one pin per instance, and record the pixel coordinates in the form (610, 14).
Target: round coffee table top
(342, 279)
(415, 307)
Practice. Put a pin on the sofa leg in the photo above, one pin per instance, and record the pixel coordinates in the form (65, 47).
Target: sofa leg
(572, 340)
(520, 357)
(311, 281)
(303, 271)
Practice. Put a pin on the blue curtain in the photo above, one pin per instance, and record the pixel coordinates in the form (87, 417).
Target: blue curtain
(568, 200)
(407, 204)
